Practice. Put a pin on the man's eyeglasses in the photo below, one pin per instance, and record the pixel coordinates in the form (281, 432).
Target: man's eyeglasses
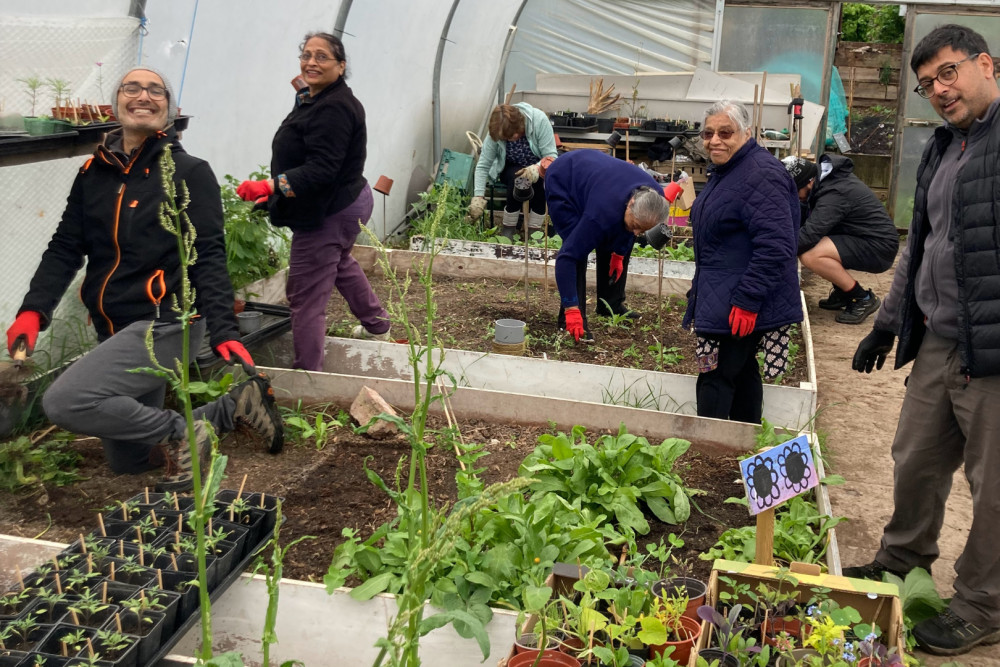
(725, 135)
(946, 75)
(135, 90)
(320, 58)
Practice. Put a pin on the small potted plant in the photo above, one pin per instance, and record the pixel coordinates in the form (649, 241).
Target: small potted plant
(22, 634)
(666, 626)
(116, 648)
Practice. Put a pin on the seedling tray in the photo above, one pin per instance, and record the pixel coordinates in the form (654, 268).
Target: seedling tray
(668, 133)
(224, 585)
(575, 128)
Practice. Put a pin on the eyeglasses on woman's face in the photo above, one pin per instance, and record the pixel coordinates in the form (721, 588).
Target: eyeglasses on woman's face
(725, 135)
(320, 58)
(947, 75)
(155, 92)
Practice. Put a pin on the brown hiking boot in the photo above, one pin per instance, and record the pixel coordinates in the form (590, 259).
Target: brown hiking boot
(178, 473)
(256, 408)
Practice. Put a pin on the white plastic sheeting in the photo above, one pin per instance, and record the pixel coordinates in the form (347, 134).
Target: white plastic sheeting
(596, 37)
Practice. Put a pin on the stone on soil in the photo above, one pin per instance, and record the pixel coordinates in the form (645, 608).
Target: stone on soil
(368, 404)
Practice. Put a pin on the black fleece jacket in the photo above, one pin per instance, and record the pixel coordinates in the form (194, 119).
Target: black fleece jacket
(320, 148)
(112, 221)
(841, 204)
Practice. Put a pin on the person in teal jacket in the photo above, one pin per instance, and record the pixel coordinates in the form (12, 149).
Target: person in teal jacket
(520, 137)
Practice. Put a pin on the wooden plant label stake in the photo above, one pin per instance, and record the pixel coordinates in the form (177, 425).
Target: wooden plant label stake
(264, 495)
(210, 526)
(124, 512)
(90, 648)
(58, 585)
(771, 477)
(142, 557)
(100, 523)
(76, 619)
(173, 561)
(90, 563)
(20, 577)
(104, 593)
(118, 623)
(121, 548)
(159, 578)
(180, 523)
(239, 493)
(146, 490)
(55, 563)
(65, 651)
(112, 574)
(177, 503)
(152, 515)
(83, 544)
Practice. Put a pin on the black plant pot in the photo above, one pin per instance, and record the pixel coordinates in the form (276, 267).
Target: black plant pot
(34, 637)
(15, 610)
(11, 658)
(725, 659)
(53, 645)
(180, 582)
(605, 125)
(117, 592)
(236, 534)
(148, 628)
(31, 660)
(268, 504)
(169, 601)
(126, 657)
(188, 563)
(56, 613)
(95, 620)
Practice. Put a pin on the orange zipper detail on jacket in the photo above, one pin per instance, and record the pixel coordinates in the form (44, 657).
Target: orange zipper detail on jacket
(118, 259)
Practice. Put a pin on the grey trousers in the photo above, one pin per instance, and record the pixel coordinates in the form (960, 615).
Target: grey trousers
(99, 397)
(944, 422)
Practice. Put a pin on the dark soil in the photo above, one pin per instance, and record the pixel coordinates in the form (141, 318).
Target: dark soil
(467, 309)
(874, 132)
(326, 490)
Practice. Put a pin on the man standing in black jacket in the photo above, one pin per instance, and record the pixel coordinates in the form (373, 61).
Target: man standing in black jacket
(944, 304)
(844, 227)
(133, 276)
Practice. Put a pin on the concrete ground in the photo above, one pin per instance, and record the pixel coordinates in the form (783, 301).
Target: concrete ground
(858, 414)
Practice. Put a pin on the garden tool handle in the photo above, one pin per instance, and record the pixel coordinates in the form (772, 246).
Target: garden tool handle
(20, 349)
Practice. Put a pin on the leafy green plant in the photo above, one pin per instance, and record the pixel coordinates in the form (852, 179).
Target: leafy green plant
(254, 248)
(440, 213)
(114, 642)
(73, 642)
(60, 90)
(25, 464)
(665, 357)
(31, 86)
(800, 534)
(16, 632)
(919, 599)
(303, 424)
(431, 534)
(87, 605)
(612, 476)
(272, 579)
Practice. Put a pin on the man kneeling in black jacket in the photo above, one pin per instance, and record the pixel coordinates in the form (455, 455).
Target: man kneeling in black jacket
(844, 227)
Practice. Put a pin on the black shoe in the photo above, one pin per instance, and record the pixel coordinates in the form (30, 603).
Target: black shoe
(587, 337)
(872, 570)
(508, 232)
(858, 310)
(838, 300)
(949, 634)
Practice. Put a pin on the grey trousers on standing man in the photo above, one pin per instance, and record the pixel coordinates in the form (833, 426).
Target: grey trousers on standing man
(947, 419)
(99, 396)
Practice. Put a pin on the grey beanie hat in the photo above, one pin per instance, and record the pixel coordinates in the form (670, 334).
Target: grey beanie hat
(171, 98)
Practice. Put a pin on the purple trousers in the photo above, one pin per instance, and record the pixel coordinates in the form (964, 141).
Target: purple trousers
(321, 260)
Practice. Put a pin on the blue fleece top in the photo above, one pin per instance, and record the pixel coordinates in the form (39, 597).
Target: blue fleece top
(587, 192)
(745, 225)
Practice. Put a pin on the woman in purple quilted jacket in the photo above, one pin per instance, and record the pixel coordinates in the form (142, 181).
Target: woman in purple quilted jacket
(745, 292)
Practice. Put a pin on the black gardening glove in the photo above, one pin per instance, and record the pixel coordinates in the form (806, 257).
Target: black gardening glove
(872, 350)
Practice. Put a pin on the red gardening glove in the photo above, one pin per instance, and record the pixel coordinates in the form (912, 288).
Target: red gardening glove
(234, 347)
(742, 321)
(574, 322)
(616, 268)
(26, 325)
(255, 190)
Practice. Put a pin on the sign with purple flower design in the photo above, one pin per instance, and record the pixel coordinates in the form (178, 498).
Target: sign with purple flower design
(772, 476)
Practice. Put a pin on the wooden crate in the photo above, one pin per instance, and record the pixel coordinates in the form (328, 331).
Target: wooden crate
(877, 602)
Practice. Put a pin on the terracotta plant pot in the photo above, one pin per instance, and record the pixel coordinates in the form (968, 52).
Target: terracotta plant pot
(690, 631)
(695, 589)
(775, 626)
(725, 659)
(383, 185)
(549, 659)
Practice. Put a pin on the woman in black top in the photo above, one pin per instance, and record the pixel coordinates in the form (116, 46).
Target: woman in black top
(319, 191)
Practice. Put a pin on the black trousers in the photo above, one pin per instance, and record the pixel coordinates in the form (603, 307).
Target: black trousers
(514, 206)
(734, 390)
(612, 293)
